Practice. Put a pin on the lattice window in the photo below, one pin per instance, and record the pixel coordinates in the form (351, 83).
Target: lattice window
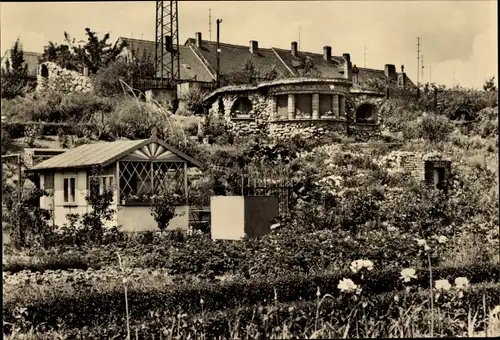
(166, 174)
(144, 178)
(135, 179)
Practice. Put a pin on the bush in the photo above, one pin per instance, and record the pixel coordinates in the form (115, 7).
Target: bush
(55, 107)
(435, 128)
(17, 130)
(78, 305)
(193, 100)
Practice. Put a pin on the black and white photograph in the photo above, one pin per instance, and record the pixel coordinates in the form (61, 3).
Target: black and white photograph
(249, 169)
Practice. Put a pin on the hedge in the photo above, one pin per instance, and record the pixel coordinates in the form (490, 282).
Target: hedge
(17, 129)
(77, 305)
(300, 316)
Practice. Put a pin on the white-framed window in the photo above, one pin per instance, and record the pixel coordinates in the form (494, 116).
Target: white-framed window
(69, 189)
(105, 182)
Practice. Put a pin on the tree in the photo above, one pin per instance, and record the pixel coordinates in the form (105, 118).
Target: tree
(60, 55)
(306, 68)
(94, 54)
(489, 85)
(14, 75)
(107, 79)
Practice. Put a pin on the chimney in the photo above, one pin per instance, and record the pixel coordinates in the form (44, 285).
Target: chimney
(85, 71)
(294, 48)
(347, 66)
(327, 53)
(198, 39)
(390, 71)
(254, 46)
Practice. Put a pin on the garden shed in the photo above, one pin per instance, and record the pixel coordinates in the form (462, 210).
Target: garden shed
(133, 169)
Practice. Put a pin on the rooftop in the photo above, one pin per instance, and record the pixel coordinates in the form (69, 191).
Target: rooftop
(103, 154)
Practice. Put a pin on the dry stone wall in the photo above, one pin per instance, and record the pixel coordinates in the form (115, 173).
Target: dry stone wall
(317, 129)
(61, 80)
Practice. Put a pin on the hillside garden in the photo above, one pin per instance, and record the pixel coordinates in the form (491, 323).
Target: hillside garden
(365, 251)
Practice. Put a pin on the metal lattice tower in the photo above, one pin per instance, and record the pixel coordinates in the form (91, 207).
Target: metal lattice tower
(167, 63)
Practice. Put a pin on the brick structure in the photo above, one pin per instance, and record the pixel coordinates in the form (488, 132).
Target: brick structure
(433, 168)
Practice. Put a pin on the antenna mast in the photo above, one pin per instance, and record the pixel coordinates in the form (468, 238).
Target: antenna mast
(418, 59)
(167, 63)
(422, 67)
(210, 24)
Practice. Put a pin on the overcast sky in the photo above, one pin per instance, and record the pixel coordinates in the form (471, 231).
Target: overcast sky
(458, 38)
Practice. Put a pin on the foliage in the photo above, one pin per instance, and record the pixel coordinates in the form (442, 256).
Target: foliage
(89, 227)
(306, 68)
(18, 130)
(250, 75)
(95, 53)
(106, 81)
(55, 107)
(193, 100)
(14, 76)
(164, 202)
(434, 128)
(489, 85)
(6, 141)
(61, 55)
(106, 304)
(28, 222)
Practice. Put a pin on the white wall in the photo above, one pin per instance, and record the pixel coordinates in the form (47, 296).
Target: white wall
(80, 206)
(227, 215)
(138, 218)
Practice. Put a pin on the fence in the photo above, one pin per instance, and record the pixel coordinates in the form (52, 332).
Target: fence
(281, 188)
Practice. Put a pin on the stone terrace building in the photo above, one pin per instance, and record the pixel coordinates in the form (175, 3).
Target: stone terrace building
(314, 93)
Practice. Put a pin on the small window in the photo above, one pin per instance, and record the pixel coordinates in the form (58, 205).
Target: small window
(70, 190)
(102, 183)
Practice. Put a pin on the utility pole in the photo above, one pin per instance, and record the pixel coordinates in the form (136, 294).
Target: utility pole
(300, 28)
(218, 51)
(365, 55)
(418, 59)
(210, 24)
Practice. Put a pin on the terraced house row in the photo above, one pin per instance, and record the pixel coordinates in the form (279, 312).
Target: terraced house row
(291, 92)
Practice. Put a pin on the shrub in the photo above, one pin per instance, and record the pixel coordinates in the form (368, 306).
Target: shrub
(78, 305)
(193, 100)
(435, 128)
(54, 107)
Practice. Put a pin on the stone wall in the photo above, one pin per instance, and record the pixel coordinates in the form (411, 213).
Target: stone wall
(50, 76)
(363, 132)
(358, 99)
(318, 129)
(261, 119)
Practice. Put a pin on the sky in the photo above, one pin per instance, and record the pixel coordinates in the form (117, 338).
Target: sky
(458, 39)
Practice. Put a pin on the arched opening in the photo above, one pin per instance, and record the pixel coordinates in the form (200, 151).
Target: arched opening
(241, 107)
(365, 113)
(221, 106)
(44, 71)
